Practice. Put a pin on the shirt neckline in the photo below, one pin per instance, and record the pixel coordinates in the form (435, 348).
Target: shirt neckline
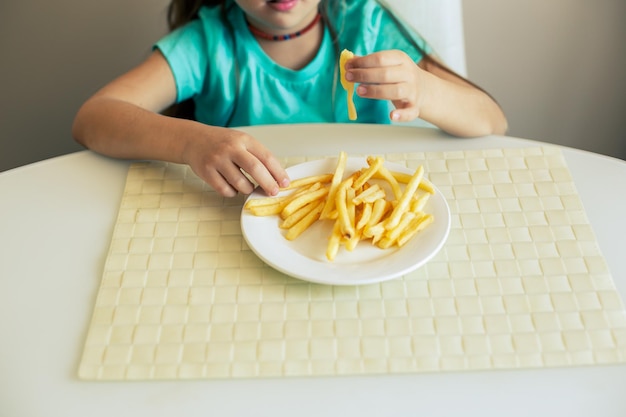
(267, 64)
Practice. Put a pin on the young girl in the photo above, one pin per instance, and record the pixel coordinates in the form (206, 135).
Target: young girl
(247, 62)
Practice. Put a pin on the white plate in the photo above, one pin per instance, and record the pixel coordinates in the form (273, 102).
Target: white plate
(305, 257)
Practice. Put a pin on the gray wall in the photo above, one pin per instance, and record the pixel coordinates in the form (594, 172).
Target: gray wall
(55, 54)
(556, 67)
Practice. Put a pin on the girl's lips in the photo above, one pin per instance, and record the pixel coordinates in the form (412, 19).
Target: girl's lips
(282, 5)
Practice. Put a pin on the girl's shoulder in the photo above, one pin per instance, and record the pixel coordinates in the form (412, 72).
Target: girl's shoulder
(359, 16)
(211, 19)
(356, 8)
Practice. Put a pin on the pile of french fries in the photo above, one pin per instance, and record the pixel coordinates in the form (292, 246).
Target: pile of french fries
(358, 205)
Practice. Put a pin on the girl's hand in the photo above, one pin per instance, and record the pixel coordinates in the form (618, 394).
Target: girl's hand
(389, 75)
(220, 158)
(428, 91)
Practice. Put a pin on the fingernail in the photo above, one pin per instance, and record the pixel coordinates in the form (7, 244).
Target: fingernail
(349, 76)
(361, 90)
(395, 116)
(284, 183)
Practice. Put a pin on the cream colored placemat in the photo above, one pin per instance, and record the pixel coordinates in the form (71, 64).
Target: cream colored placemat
(520, 283)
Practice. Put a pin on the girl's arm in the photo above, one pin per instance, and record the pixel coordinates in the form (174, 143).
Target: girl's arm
(122, 120)
(426, 91)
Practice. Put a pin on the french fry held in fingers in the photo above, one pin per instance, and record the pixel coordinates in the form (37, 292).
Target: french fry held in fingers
(347, 85)
(371, 204)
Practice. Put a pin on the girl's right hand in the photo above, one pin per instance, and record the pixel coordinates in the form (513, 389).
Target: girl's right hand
(220, 157)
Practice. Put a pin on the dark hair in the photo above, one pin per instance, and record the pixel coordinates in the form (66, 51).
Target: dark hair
(180, 12)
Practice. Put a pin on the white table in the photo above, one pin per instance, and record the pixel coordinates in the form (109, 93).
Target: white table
(56, 220)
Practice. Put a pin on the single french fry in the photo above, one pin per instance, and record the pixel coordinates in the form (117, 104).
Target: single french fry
(347, 85)
(340, 168)
(353, 241)
(366, 214)
(404, 178)
(385, 174)
(343, 215)
(418, 204)
(301, 182)
(407, 195)
(302, 200)
(255, 204)
(303, 190)
(304, 223)
(417, 225)
(366, 174)
(284, 199)
(333, 242)
(263, 201)
(401, 177)
(266, 209)
(350, 206)
(427, 186)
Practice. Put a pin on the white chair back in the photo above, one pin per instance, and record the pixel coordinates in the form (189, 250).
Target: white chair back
(440, 23)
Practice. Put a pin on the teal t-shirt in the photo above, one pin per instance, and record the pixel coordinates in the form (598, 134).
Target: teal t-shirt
(234, 83)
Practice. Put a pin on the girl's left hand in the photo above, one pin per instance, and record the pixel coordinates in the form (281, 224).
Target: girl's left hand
(389, 75)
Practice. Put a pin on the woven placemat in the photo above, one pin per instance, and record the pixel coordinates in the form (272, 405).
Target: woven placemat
(520, 283)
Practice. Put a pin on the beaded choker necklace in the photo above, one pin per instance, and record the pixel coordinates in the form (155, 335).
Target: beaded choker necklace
(271, 37)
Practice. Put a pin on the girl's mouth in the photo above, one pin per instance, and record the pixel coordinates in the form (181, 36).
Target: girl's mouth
(282, 5)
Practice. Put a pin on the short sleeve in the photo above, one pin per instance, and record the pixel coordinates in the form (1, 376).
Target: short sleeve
(184, 51)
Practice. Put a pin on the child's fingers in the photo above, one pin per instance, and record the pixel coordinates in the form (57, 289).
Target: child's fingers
(397, 91)
(272, 165)
(235, 178)
(259, 172)
(378, 75)
(404, 115)
(267, 170)
(219, 183)
(378, 59)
